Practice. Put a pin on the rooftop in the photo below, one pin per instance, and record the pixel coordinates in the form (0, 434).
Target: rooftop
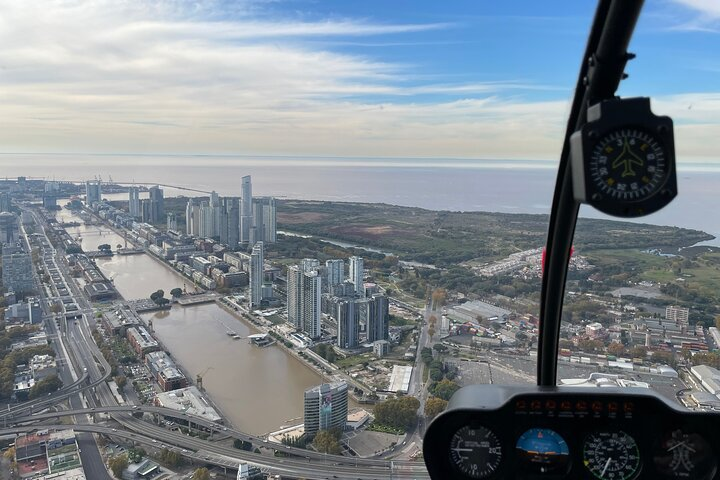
(188, 400)
(400, 378)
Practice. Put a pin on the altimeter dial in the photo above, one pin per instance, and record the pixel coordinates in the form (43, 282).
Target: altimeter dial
(475, 451)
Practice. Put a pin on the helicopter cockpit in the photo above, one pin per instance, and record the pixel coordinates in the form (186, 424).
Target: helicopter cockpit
(618, 157)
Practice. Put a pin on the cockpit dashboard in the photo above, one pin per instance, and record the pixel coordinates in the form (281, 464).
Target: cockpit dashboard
(529, 432)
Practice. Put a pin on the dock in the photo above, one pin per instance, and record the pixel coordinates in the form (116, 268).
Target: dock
(130, 251)
(261, 339)
(146, 305)
(187, 300)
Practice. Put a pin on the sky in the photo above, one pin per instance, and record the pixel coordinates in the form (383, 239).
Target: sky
(471, 79)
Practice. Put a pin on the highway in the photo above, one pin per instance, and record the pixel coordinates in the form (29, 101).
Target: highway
(123, 415)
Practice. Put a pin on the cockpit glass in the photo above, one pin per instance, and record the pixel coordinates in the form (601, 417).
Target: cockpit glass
(641, 297)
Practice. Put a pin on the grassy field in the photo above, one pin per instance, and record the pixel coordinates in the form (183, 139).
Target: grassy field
(448, 238)
(701, 274)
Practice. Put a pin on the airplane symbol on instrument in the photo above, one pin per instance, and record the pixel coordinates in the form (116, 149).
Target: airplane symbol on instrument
(627, 159)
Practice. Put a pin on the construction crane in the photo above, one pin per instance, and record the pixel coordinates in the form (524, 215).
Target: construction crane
(199, 378)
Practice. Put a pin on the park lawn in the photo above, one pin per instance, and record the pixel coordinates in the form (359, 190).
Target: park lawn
(353, 360)
(632, 257)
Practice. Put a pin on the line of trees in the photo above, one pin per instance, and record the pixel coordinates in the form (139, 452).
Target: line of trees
(397, 412)
(328, 441)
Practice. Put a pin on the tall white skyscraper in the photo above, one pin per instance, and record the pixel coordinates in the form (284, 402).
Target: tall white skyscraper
(246, 214)
(378, 318)
(93, 192)
(157, 205)
(269, 220)
(264, 226)
(216, 213)
(257, 265)
(304, 292)
(310, 264)
(172, 223)
(294, 312)
(347, 321)
(134, 202)
(356, 274)
(206, 228)
(192, 218)
(335, 272)
(229, 221)
(311, 293)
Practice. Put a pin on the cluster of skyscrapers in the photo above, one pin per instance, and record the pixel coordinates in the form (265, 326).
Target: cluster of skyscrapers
(234, 221)
(313, 290)
(150, 210)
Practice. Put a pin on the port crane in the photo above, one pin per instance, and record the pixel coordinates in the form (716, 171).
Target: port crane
(199, 378)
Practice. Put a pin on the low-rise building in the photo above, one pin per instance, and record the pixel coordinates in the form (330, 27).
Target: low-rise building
(381, 348)
(117, 320)
(145, 468)
(37, 339)
(28, 312)
(594, 330)
(188, 400)
(42, 366)
(100, 290)
(709, 377)
(141, 340)
(167, 374)
(400, 378)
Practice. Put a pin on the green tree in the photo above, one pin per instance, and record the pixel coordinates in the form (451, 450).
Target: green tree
(169, 457)
(201, 474)
(426, 355)
(47, 385)
(176, 292)
(433, 406)
(616, 348)
(104, 247)
(639, 351)
(436, 375)
(662, 356)
(440, 348)
(326, 441)
(397, 412)
(156, 295)
(136, 455)
(445, 389)
(121, 381)
(242, 445)
(117, 464)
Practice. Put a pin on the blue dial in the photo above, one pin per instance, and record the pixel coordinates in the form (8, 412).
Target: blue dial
(542, 450)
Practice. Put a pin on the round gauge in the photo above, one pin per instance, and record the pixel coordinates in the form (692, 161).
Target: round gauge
(541, 450)
(611, 456)
(475, 451)
(685, 455)
(628, 165)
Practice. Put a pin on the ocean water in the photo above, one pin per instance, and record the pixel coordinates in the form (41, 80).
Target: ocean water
(438, 184)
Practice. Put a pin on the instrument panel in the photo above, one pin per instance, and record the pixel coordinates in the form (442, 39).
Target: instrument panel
(528, 432)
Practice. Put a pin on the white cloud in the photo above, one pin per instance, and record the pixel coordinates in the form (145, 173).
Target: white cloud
(155, 77)
(708, 8)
